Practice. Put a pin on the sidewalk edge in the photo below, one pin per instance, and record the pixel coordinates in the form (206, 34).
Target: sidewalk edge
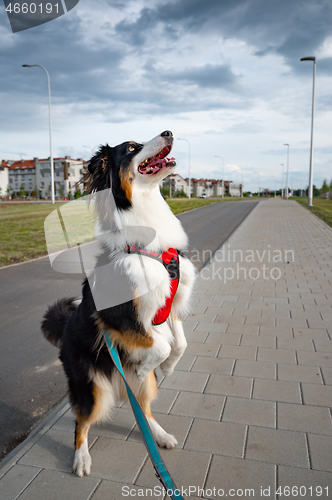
(17, 453)
(316, 216)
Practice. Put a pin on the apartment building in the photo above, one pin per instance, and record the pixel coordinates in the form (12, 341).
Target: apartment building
(234, 188)
(67, 173)
(22, 173)
(33, 177)
(176, 182)
(202, 187)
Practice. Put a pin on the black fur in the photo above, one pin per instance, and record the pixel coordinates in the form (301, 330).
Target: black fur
(56, 318)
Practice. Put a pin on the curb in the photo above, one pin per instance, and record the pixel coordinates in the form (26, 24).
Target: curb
(17, 453)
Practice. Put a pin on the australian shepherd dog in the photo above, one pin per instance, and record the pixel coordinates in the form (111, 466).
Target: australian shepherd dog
(147, 328)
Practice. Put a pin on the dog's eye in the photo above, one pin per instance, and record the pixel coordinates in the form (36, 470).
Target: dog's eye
(131, 148)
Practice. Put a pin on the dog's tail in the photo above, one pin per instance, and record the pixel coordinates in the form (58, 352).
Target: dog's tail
(56, 318)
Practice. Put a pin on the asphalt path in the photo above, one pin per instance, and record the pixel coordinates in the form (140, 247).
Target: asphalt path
(32, 381)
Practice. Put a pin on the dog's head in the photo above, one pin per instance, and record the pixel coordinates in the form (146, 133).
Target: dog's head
(130, 164)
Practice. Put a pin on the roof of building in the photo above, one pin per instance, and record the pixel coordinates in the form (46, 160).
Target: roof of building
(175, 175)
(201, 182)
(26, 164)
(22, 165)
(62, 158)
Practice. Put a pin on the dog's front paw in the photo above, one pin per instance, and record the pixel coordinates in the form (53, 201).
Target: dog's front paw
(141, 373)
(82, 461)
(166, 440)
(167, 368)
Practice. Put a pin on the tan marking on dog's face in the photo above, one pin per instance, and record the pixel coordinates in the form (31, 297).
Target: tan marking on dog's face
(126, 179)
(131, 146)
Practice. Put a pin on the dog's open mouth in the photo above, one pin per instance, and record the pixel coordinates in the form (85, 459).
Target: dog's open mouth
(157, 163)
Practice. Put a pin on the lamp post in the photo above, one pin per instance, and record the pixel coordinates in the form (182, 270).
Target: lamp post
(275, 186)
(222, 174)
(241, 183)
(310, 190)
(241, 189)
(188, 164)
(282, 181)
(50, 120)
(287, 171)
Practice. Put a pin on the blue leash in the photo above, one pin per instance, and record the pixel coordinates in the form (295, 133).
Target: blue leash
(160, 468)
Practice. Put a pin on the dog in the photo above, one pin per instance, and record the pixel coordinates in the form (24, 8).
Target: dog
(145, 241)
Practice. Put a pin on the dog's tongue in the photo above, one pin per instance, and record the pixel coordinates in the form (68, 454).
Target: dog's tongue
(161, 163)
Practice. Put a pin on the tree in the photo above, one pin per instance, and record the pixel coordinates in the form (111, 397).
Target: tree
(164, 190)
(315, 191)
(21, 192)
(325, 187)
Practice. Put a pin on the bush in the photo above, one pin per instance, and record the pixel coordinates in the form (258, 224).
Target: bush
(180, 194)
(164, 191)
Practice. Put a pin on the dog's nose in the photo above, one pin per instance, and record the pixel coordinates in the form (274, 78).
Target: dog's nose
(167, 133)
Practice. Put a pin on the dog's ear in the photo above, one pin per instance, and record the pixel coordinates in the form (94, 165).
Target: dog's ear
(98, 175)
(103, 159)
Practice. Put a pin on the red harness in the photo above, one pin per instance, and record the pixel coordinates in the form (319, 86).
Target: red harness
(170, 260)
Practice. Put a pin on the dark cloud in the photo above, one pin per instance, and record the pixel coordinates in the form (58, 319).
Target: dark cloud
(94, 74)
(291, 29)
(207, 76)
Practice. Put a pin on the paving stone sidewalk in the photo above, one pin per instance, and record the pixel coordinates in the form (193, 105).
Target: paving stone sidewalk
(250, 401)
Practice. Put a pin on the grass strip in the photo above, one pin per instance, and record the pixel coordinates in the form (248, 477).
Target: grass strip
(322, 208)
(22, 226)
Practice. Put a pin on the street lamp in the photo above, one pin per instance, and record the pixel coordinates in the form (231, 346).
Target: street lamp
(222, 174)
(50, 120)
(282, 181)
(287, 171)
(188, 164)
(241, 190)
(310, 190)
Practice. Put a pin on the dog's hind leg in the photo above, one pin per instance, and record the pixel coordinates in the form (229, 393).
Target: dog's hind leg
(146, 394)
(82, 459)
(93, 409)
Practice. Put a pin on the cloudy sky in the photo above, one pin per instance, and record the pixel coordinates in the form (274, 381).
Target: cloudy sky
(224, 74)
